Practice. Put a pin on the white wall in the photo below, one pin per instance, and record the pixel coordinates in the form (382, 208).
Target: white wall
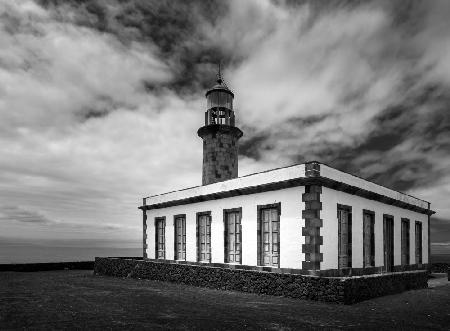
(291, 224)
(330, 198)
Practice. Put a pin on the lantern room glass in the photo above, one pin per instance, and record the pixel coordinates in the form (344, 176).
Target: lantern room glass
(219, 98)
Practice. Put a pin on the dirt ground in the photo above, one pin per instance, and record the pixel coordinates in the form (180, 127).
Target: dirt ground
(78, 300)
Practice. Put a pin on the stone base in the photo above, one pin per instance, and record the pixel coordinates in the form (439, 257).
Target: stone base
(344, 290)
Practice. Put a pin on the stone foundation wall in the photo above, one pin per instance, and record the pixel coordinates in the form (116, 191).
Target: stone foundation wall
(367, 287)
(346, 290)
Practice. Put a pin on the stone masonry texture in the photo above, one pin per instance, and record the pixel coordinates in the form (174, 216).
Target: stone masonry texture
(311, 230)
(220, 155)
(343, 290)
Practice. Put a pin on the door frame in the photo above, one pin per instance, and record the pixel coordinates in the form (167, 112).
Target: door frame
(162, 220)
(405, 241)
(198, 215)
(259, 248)
(418, 249)
(371, 239)
(348, 209)
(225, 232)
(388, 246)
(175, 253)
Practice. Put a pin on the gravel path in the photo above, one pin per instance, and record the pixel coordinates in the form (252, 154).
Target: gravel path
(78, 300)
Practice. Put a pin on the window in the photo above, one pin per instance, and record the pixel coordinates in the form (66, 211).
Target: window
(388, 241)
(405, 241)
(344, 216)
(418, 242)
(233, 235)
(368, 238)
(144, 228)
(204, 237)
(269, 235)
(180, 237)
(160, 244)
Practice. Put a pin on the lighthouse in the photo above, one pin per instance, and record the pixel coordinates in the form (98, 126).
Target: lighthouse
(220, 135)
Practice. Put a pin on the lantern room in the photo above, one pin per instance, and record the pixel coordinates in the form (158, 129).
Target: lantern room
(219, 104)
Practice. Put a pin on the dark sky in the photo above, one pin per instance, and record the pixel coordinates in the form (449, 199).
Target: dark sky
(100, 101)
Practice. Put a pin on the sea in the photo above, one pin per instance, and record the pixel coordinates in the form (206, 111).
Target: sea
(36, 251)
(440, 253)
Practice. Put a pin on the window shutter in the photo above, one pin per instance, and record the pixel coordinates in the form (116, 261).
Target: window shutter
(343, 238)
(418, 243)
(367, 239)
(156, 238)
(349, 238)
(208, 238)
(225, 237)
(258, 235)
(198, 238)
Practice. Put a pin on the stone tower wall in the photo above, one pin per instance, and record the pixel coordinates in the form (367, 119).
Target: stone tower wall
(220, 153)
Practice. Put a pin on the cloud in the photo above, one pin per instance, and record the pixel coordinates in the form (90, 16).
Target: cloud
(41, 226)
(348, 85)
(52, 71)
(100, 100)
(17, 214)
(82, 139)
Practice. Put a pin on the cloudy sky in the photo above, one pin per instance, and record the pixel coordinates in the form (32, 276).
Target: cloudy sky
(100, 101)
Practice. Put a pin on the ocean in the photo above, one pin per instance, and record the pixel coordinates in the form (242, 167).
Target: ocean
(35, 251)
(440, 252)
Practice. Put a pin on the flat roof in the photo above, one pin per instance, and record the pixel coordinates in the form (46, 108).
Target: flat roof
(295, 175)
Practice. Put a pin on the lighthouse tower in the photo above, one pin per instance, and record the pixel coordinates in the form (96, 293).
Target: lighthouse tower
(220, 135)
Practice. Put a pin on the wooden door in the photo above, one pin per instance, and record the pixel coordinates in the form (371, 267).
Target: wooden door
(270, 245)
(344, 235)
(160, 239)
(418, 243)
(388, 237)
(204, 239)
(180, 238)
(233, 237)
(405, 242)
(368, 239)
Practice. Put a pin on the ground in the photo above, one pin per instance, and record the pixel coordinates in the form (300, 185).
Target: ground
(79, 300)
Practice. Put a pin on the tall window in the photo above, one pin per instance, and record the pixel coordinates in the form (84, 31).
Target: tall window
(369, 238)
(233, 235)
(160, 238)
(405, 241)
(269, 235)
(418, 242)
(388, 241)
(180, 237)
(204, 237)
(344, 216)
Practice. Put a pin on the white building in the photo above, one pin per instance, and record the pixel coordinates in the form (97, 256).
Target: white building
(308, 217)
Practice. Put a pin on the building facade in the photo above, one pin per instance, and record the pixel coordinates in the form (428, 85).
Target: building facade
(308, 217)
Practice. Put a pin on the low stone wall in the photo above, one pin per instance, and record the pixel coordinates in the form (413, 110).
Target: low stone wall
(346, 290)
(440, 267)
(371, 286)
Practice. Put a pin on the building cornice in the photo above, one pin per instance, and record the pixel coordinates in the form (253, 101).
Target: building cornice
(314, 179)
